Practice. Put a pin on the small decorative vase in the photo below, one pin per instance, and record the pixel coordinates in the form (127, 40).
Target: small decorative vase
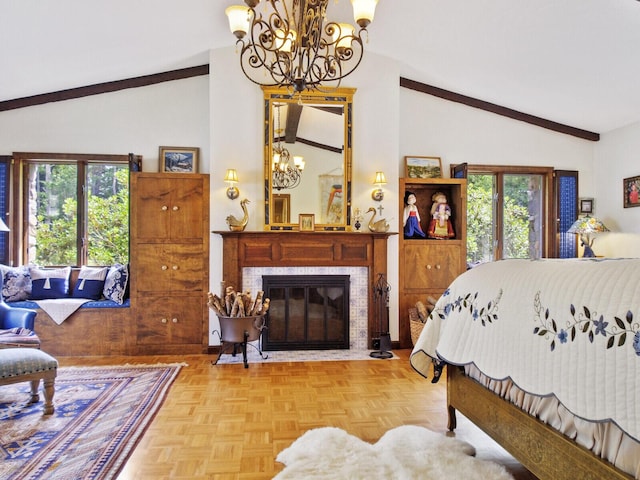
(357, 225)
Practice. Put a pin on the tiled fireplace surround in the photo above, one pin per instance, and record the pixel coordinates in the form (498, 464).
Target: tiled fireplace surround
(358, 298)
(247, 256)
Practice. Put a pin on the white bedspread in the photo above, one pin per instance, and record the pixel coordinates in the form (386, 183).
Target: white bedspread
(565, 327)
(60, 309)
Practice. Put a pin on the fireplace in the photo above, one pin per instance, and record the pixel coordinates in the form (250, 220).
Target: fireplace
(252, 279)
(247, 256)
(307, 312)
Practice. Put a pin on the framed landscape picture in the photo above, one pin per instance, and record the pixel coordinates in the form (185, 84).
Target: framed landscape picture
(179, 159)
(631, 188)
(422, 167)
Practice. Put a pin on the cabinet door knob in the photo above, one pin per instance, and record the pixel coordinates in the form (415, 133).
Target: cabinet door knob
(164, 320)
(164, 208)
(176, 208)
(428, 267)
(164, 267)
(175, 267)
(437, 267)
(174, 320)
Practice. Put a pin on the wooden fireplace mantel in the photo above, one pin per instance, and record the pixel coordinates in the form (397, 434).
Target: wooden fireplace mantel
(305, 249)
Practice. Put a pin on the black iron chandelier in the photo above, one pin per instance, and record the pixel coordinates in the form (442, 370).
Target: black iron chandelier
(285, 174)
(292, 44)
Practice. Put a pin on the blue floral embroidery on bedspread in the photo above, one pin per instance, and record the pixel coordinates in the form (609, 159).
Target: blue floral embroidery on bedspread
(587, 322)
(486, 314)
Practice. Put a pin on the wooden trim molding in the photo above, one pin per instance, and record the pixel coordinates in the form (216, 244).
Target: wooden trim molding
(497, 109)
(105, 87)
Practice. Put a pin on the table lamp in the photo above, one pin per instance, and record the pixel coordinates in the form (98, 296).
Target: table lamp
(585, 227)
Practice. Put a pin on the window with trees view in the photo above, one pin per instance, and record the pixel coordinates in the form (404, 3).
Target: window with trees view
(507, 212)
(76, 210)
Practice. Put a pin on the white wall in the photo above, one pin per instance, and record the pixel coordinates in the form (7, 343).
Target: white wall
(137, 120)
(616, 159)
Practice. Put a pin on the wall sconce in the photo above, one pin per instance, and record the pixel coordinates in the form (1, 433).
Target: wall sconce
(378, 194)
(232, 178)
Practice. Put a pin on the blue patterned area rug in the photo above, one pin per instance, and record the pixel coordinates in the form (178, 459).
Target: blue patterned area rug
(100, 414)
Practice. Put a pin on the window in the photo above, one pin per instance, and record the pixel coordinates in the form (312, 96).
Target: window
(75, 209)
(508, 212)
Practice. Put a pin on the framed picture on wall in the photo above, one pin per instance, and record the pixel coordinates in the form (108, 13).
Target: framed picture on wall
(631, 187)
(422, 167)
(586, 206)
(179, 159)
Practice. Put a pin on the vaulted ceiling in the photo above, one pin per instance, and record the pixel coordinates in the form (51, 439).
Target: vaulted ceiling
(569, 61)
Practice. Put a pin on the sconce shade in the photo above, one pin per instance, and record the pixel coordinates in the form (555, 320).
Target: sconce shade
(232, 178)
(380, 179)
(378, 194)
(585, 227)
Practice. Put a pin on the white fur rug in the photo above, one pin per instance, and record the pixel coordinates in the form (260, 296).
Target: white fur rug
(408, 452)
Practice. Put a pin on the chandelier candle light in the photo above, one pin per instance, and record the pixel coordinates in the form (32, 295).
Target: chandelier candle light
(284, 173)
(292, 44)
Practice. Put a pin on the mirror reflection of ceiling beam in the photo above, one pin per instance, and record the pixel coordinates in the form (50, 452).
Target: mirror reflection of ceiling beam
(293, 114)
(293, 120)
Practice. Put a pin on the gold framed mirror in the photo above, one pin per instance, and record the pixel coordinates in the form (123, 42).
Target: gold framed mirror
(308, 158)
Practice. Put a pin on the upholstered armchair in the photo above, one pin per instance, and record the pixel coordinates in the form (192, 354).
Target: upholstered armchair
(17, 325)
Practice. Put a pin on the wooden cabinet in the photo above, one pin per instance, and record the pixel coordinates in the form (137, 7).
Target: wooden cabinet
(427, 266)
(170, 262)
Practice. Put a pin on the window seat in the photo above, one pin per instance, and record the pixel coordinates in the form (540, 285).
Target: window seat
(91, 304)
(98, 327)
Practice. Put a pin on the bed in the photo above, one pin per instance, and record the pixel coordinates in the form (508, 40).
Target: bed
(544, 356)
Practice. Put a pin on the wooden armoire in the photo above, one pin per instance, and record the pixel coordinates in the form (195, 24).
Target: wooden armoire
(170, 262)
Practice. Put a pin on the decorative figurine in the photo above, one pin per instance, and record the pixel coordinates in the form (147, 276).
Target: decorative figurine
(357, 217)
(236, 225)
(379, 226)
(411, 220)
(440, 226)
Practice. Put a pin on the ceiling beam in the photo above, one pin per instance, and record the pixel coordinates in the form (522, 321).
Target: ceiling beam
(105, 87)
(497, 109)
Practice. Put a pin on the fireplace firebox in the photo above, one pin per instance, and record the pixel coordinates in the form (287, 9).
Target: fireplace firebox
(307, 312)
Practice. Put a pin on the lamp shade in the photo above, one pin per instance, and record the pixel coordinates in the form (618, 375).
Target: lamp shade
(231, 176)
(364, 11)
(588, 224)
(238, 16)
(380, 179)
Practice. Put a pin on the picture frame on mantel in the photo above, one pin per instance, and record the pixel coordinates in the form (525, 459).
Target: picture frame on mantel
(422, 167)
(307, 222)
(631, 189)
(179, 159)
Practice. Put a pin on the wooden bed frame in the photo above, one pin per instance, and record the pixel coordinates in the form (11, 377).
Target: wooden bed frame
(544, 451)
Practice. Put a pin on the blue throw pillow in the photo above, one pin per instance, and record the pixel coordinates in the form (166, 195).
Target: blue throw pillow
(90, 283)
(115, 286)
(16, 283)
(49, 283)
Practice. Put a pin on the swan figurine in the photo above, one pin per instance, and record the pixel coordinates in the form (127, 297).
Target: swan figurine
(236, 225)
(379, 226)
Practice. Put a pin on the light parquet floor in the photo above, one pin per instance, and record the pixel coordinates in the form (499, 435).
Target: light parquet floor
(228, 422)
